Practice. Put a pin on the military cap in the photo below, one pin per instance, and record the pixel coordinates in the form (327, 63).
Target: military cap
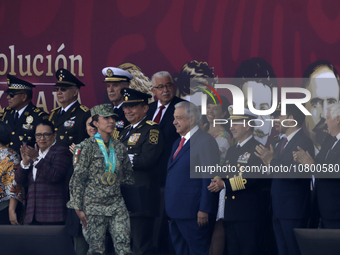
(277, 110)
(67, 79)
(247, 114)
(104, 110)
(113, 74)
(15, 84)
(133, 97)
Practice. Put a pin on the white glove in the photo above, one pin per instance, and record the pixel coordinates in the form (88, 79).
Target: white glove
(131, 158)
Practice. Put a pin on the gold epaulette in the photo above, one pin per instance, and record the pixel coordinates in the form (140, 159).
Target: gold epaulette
(56, 109)
(151, 122)
(84, 108)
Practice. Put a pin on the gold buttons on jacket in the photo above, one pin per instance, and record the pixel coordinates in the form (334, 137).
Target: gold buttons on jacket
(225, 197)
(233, 197)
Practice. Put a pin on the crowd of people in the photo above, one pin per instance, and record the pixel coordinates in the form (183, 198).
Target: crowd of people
(123, 169)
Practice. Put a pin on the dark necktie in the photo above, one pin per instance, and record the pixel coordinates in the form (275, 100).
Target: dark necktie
(284, 142)
(16, 117)
(61, 114)
(131, 127)
(159, 114)
(331, 145)
(179, 147)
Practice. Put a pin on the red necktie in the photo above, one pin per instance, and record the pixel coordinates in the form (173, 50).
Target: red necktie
(284, 142)
(179, 147)
(159, 114)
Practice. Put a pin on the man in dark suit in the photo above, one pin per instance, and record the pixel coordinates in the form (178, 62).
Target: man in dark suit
(327, 187)
(276, 115)
(190, 206)
(162, 112)
(144, 142)
(44, 172)
(245, 204)
(21, 115)
(70, 125)
(116, 79)
(290, 196)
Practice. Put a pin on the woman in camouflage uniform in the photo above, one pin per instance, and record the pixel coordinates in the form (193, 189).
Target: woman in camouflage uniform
(101, 165)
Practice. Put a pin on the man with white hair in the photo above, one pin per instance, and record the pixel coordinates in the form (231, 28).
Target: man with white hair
(161, 112)
(190, 206)
(327, 189)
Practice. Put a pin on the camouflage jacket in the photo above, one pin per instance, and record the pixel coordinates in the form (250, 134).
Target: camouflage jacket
(87, 192)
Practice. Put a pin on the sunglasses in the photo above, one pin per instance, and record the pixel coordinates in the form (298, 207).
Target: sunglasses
(11, 94)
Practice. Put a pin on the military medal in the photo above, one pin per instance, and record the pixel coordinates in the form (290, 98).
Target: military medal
(104, 178)
(108, 178)
(29, 119)
(111, 179)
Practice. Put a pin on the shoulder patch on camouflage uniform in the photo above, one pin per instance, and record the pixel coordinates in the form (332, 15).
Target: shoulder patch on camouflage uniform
(151, 122)
(76, 154)
(84, 108)
(153, 136)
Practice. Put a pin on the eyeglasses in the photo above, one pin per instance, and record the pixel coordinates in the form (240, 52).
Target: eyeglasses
(11, 94)
(62, 89)
(161, 86)
(45, 135)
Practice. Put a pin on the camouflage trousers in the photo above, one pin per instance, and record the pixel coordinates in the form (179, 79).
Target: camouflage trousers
(119, 228)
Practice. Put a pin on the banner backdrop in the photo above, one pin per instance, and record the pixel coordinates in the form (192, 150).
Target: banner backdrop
(39, 36)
